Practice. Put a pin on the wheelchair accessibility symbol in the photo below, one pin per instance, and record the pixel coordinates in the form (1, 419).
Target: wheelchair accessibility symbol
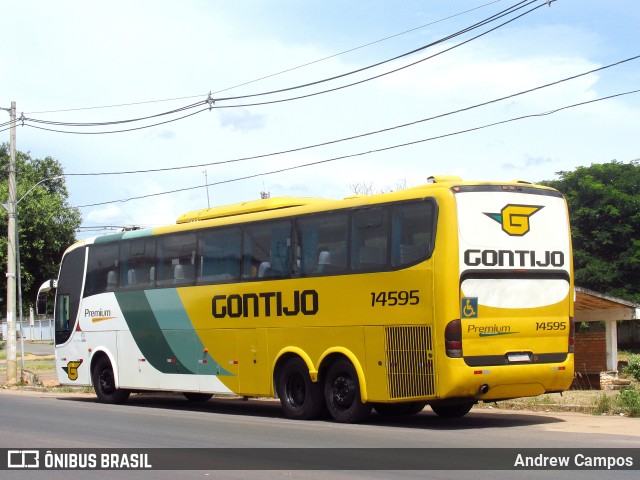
(469, 307)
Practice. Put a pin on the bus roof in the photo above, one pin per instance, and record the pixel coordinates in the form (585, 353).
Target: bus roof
(253, 207)
(242, 208)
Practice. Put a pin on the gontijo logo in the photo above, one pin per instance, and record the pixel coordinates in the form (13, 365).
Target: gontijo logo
(515, 218)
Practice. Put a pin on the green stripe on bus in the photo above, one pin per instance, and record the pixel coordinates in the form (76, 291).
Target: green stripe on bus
(172, 318)
(147, 232)
(149, 337)
(114, 237)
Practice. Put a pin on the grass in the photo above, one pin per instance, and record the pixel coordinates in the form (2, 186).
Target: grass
(38, 364)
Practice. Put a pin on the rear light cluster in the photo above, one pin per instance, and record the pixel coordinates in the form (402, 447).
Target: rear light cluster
(572, 334)
(453, 339)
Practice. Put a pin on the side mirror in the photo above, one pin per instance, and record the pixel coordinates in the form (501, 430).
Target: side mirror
(41, 303)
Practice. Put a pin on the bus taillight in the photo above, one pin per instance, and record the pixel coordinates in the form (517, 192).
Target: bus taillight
(572, 334)
(453, 339)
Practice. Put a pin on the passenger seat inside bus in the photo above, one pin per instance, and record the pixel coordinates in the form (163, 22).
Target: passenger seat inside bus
(324, 261)
(112, 280)
(183, 274)
(132, 277)
(264, 269)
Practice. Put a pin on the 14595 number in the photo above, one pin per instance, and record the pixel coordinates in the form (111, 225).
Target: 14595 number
(395, 298)
(551, 326)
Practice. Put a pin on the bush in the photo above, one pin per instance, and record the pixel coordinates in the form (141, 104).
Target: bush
(633, 367)
(629, 400)
(603, 405)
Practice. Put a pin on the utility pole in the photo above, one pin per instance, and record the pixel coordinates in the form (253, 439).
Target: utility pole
(206, 185)
(12, 366)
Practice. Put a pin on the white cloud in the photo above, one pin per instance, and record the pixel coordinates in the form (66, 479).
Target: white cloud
(241, 119)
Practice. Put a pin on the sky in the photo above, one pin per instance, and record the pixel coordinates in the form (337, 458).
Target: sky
(85, 62)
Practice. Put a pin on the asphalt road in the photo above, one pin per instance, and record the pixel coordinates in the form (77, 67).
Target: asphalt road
(39, 420)
(36, 348)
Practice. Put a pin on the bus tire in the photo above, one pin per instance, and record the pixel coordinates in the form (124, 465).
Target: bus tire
(398, 409)
(197, 397)
(452, 411)
(104, 383)
(342, 393)
(301, 399)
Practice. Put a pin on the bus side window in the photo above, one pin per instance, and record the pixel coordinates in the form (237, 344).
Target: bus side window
(267, 250)
(219, 251)
(322, 241)
(369, 239)
(176, 260)
(412, 232)
(63, 319)
(102, 269)
(137, 257)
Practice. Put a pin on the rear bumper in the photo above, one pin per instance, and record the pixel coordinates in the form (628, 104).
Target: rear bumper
(500, 382)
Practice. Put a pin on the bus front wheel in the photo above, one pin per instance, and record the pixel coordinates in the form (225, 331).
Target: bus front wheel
(300, 397)
(104, 383)
(342, 393)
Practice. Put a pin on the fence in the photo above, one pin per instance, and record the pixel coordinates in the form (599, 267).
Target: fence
(42, 329)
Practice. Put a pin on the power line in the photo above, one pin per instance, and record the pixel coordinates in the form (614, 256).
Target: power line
(357, 48)
(378, 150)
(373, 77)
(122, 130)
(272, 74)
(484, 22)
(383, 130)
(211, 101)
(101, 124)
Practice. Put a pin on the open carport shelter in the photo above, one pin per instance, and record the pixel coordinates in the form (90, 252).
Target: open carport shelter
(596, 340)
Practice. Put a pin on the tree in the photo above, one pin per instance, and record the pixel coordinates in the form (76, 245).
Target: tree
(46, 222)
(604, 209)
(368, 188)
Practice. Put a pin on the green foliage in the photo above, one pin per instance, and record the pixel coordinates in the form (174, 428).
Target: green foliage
(629, 400)
(47, 223)
(604, 208)
(603, 405)
(633, 367)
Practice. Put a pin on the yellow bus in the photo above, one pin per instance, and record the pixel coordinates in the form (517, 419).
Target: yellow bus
(443, 294)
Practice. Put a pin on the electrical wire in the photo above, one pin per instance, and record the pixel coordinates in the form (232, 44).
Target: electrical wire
(122, 130)
(211, 101)
(100, 124)
(356, 48)
(359, 154)
(362, 135)
(272, 74)
(484, 22)
(373, 77)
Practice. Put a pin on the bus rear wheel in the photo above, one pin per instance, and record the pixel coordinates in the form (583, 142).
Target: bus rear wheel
(342, 393)
(452, 411)
(104, 383)
(300, 398)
